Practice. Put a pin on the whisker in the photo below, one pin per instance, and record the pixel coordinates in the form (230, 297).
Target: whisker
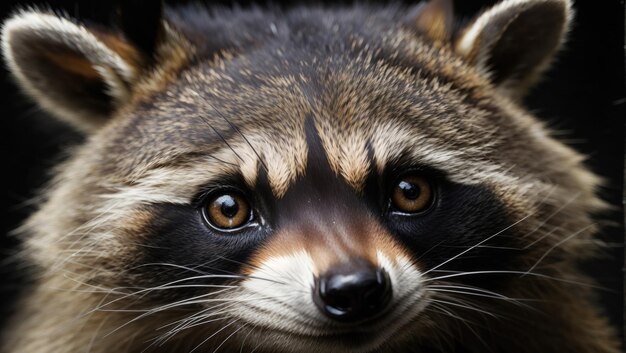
(197, 314)
(243, 342)
(557, 245)
(479, 243)
(468, 307)
(443, 308)
(197, 319)
(557, 211)
(253, 266)
(189, 301)
(213, 335)
(513, 301)
(163, 339)
(147, 290)
(172, 265)
(464, 273)
(466, 322)
(474, 292)
(205, 265)
(227, 338)
(222, 138)
(186, 302)
(260, 343)
(238, 131)
(421, 256)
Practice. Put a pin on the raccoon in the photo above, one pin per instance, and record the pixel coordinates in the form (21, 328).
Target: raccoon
(354, 178)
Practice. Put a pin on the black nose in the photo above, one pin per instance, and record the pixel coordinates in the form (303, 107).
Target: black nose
(353, 295)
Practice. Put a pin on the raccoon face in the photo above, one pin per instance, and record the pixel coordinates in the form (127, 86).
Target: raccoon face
(313, 181)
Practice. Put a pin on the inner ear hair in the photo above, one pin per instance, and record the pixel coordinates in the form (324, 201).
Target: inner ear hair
(77, 74)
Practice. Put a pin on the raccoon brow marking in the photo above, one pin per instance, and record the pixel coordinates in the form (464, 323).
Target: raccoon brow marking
(221, 137)
(236, 129)
(184, 155)
(221, 160)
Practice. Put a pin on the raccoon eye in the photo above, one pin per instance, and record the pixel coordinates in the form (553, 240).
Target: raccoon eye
(411, 194)
(227, 211)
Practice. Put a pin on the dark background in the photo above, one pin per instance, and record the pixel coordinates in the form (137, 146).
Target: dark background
(582, 97)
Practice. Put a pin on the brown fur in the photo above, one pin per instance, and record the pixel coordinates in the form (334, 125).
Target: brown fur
(403, 96)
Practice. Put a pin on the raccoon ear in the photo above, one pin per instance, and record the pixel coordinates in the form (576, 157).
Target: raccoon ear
(434, 19)
(515, 40)
(79, 74)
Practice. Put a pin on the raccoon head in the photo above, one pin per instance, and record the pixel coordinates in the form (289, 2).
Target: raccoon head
(312, 180)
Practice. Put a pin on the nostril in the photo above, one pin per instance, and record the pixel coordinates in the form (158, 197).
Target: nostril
(353, 295)
(379, 291)
(338, 299)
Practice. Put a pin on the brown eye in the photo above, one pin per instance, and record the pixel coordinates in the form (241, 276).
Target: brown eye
(411, 194)
(227, 211)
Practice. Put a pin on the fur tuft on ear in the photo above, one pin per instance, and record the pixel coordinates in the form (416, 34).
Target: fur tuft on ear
(515, 40)
(434, 19)
(78, 74)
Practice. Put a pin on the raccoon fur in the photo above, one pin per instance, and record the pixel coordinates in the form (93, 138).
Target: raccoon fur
(354, 178)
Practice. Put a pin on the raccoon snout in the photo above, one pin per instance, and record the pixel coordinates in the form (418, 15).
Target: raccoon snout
(352, 294)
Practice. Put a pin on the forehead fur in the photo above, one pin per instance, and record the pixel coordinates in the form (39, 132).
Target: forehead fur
(381, 92)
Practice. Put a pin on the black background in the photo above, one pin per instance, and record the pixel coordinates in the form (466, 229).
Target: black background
(582, 97)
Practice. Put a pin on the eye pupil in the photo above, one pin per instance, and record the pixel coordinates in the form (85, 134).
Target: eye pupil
(228, 206)
(227, 211)
(411, 194)
(409, 190)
